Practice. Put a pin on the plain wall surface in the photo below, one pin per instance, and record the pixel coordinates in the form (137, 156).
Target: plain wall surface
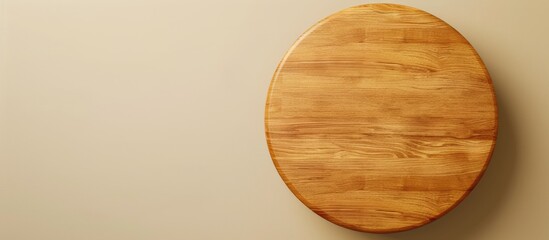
(143, 119)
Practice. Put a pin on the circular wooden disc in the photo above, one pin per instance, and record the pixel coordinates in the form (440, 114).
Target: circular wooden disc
(381, 118)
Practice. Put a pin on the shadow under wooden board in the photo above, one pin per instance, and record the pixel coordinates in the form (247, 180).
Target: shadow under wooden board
(381, 118)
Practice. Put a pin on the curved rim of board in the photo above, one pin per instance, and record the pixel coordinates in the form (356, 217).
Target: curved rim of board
(327, 216)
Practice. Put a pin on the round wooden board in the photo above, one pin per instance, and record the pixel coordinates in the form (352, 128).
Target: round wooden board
(381, 118)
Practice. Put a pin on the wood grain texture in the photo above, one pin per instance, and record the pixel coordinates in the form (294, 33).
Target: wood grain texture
(381, 118)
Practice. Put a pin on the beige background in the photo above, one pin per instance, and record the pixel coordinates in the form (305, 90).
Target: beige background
(143, 119)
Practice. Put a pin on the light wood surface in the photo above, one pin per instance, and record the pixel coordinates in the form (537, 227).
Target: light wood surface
(381, 118)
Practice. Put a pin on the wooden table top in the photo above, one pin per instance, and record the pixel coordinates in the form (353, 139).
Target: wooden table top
(381, 118)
